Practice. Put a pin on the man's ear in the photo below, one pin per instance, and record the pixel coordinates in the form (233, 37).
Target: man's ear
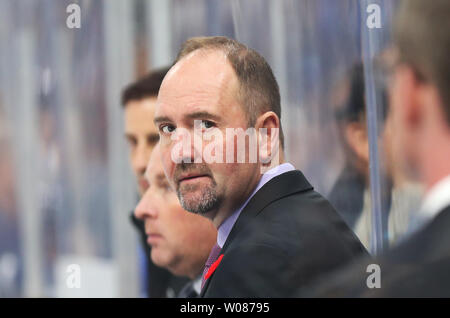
(268, 131)
(357, 139)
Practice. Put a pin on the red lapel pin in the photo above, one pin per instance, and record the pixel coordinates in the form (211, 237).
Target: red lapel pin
(213, 267)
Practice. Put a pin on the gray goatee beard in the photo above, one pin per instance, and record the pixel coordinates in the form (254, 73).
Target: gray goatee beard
(202, 203)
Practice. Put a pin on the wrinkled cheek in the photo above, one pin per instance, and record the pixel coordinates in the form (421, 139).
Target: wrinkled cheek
(225, 177)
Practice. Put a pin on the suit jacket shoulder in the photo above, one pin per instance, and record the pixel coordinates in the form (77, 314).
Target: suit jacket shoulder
(286, 235)
(418, 267)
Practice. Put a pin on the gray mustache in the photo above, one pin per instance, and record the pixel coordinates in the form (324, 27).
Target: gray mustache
(197, 168)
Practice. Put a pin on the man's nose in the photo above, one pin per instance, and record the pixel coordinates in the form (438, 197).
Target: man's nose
(187, 148)
(145, 207)
(141, 160)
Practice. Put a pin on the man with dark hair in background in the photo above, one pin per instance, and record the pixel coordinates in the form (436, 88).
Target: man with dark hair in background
(351, 194)
(138, 100)
(347, 193)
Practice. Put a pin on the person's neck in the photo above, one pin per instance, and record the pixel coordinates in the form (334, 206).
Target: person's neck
(275, 162)
(229, 207)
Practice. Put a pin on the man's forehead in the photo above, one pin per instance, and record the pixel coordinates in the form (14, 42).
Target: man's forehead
(199, 70)
(145, 106)
(143, 109)
(197, 83)
(201, 57)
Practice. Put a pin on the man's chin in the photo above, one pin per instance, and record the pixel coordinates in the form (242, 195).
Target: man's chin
(159, 259)
(198, 205)
(208, 214)
(195, 209)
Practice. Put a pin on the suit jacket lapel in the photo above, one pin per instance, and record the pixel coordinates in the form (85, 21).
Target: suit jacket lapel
(278, 187)
(205, 287)
(437, 232)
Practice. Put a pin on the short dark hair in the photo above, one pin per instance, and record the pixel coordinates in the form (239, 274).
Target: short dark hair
(422, 37)
(258, 89)
(354, 107)
(146, 87)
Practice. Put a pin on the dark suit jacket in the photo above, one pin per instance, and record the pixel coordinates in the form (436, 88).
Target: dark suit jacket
(419, 267)
(347, 195)
(160, 281)
(286, 236)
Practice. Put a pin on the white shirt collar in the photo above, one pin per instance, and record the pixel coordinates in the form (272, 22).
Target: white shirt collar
(197, 285)
(436, 199)
(225, 228)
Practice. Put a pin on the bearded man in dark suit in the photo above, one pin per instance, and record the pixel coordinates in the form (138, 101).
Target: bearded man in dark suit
(275, 232)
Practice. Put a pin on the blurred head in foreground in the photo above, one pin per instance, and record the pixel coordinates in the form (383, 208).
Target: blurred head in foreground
(420, 95)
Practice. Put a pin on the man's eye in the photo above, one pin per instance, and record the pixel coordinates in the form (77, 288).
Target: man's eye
(207, 124)
(167, 129)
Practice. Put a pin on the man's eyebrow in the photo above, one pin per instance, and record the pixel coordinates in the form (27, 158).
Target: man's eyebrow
(160, 119)
(153, 137)
(202, 115)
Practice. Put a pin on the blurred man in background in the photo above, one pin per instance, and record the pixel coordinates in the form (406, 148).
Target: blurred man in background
(138, 100)
(180, 241)
(420, 106)
(351, 195)
(187, 239)
(347, 194)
